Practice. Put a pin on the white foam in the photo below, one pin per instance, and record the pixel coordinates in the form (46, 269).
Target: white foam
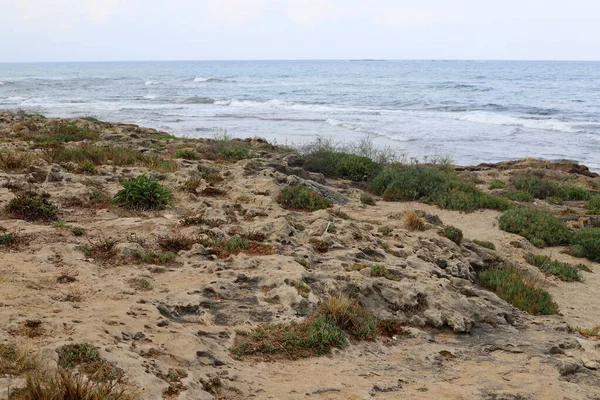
(150, 96)
(151, 83)
(500, 119)
(1, 83)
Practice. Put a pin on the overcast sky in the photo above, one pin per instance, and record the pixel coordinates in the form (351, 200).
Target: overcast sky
(101, 30)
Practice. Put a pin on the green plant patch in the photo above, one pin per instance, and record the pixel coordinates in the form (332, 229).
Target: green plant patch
(509, 286)
(563, 271)
(520, 196)
(497, 184)
(434, 185)
(586, 243)
(539, 227)
(329, 327)
(143, 193)
(32, 207)
(594, 206)
(483, 243)
(299, 197)
(453, 233)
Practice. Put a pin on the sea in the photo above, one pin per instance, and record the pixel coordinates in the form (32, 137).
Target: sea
(472, 111)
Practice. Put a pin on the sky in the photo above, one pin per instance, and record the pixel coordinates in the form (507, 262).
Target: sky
(124, 30)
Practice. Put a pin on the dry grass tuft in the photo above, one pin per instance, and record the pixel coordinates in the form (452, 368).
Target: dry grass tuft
(414, 222)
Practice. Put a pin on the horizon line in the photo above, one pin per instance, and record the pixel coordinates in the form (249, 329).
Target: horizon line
(307, 59)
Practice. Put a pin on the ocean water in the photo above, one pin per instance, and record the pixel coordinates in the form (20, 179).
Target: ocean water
(474, 111)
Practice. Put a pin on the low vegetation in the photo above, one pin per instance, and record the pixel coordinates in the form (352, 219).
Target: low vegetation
(594, 206)
(483, 243)
(299, 197)
(453, 233)
(414, 222)
(143, 194)
(95, 155)
(541, 188)
(435, 185)
(509, 286)
(331, 326)
(32, 207)
(563, 271)
(586, 243)
(539, 227)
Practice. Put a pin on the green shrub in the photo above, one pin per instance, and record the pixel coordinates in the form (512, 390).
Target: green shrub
(520, 196)
(594, 205)
(71, 355)
(586, 243)
(509, 286)
(497, 184)
(453, 233)
(540, 188)
(299, 197)
(143, 193)
(32, 207)
(564, 271)
(433, 185)
(337, 164)
(573, 193)
(539, 227)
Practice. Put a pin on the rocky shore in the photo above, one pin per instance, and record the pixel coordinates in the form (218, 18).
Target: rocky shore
(161, 287)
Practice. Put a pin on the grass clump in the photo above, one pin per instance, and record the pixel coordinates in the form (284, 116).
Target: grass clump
(586, 243)
(11, 161)
(594, 206)
(8, 239)
(65, 385)
(329, 327)
(367, 200)
(71, 355)
(140, 284)
(32, 207)
(509, 286)
(539, 227)
(414, 222)
(13, 360)
(105, 155)
(64, 132)
(483, 243)
(433, 184)
(143, 193)
(186, 154)
(563, 271)
(453, 233)
(587, 332)
(156, 258)
(497, 184)
(299, 197)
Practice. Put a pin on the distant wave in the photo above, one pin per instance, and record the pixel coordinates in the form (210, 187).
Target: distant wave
(500, 119)
(461, 86)
(201, 79)
(152, 83)
(242, 116)
(195, 100)
(313, 107)
(363, 129)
